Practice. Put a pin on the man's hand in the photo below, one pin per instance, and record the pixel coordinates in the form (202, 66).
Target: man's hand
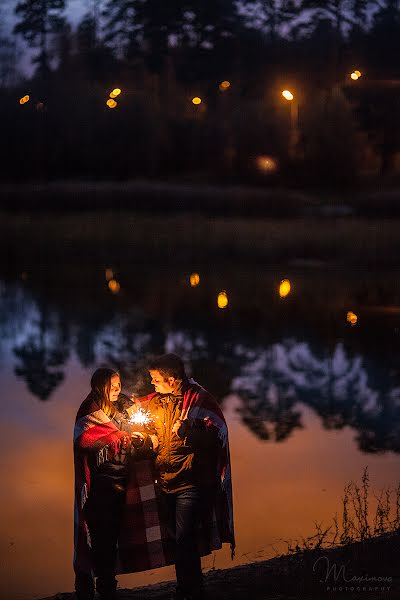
(137, 439)
(181, 428)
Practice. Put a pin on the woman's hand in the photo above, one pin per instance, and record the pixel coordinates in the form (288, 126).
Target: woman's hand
(125, 442)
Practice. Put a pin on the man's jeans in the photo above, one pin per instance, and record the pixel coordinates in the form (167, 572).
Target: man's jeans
(184, 513)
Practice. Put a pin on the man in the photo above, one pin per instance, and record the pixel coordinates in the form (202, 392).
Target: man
(193, 468)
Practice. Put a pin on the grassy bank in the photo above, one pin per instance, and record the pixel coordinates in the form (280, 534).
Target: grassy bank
(374, 200)
(139, 237)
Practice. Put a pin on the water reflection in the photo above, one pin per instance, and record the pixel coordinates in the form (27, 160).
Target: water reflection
(347, 382)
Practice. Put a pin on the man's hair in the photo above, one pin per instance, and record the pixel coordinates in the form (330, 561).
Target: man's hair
(169, 365)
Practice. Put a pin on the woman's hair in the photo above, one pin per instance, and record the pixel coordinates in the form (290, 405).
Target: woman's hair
(101, 386)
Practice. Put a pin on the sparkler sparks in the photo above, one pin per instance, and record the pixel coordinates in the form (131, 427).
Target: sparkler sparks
(140, 417)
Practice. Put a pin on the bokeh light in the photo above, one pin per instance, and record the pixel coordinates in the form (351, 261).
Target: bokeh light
(114, 286)
(194, 279)
(224, 85)
(222, 299)
(284, 288)
(116, 92)
(24, 99)
(352, 318)
(111, 103)
(287, 94)
(196, 100)
(266, 164)
(109, 273)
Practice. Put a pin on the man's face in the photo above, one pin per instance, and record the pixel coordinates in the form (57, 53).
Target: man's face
(115, 388)
(162, 385)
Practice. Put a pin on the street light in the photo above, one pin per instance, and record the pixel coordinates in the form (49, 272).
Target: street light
(355, 75)
(196, 100)
(294, 122)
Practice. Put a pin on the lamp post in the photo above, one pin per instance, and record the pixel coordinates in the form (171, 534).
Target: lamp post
(294, 122)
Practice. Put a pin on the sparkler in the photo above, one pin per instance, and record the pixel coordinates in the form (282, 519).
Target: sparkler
(141, 418)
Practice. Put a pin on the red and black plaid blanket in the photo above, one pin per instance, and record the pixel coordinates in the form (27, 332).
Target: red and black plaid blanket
(216, 524)
(140, 544)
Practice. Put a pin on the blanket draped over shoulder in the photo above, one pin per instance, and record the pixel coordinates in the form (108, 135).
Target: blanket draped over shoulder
(216, 524)
(141, 541)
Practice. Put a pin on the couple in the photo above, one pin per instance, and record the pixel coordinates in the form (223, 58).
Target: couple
(145, 499)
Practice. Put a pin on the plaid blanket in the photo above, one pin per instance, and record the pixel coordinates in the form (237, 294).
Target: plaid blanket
(217, 521)
(140, 544)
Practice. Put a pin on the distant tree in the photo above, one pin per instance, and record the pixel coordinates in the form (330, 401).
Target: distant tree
(142, 26)
(39, 19)
(384, 39)
(39, 356)
(335, 11)
(270, 15)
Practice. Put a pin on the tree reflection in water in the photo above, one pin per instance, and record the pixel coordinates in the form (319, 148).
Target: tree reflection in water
(273, 379)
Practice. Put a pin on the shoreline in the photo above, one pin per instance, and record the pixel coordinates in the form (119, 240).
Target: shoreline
(358, 570)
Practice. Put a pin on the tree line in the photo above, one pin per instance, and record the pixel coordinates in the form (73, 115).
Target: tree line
(164, 54)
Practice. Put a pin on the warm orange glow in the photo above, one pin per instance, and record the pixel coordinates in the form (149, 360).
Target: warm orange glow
(116, 92)
(284, 288)
(196, 100)
(114, 286)
(266, 164)
(287, 95)
(354, 75)
(111, 103)
(352, 318)
(224, 85)
(24, 99)
(222, 299)
(109, 274)
(194, 279)
(358, 73)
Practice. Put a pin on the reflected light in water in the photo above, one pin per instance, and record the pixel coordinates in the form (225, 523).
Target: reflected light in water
(116, 92)
(109, 274)
(284, 288)
(352, 318)
(224, 85)
(266, 164)
(194, 279)
(114, 286)
(222, 299)
(196, 100)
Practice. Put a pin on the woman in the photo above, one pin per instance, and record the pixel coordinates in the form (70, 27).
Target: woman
(102, 452)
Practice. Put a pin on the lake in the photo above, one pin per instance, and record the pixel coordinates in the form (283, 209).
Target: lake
(309, 384)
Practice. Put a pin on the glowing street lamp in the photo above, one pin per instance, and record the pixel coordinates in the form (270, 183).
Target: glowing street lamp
(355, 75)
(294, 121)
(111, 103)
(24, 99)
(287, 94)
(196, 100)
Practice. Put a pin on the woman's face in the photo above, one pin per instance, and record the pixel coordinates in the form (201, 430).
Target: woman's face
(115, 387)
